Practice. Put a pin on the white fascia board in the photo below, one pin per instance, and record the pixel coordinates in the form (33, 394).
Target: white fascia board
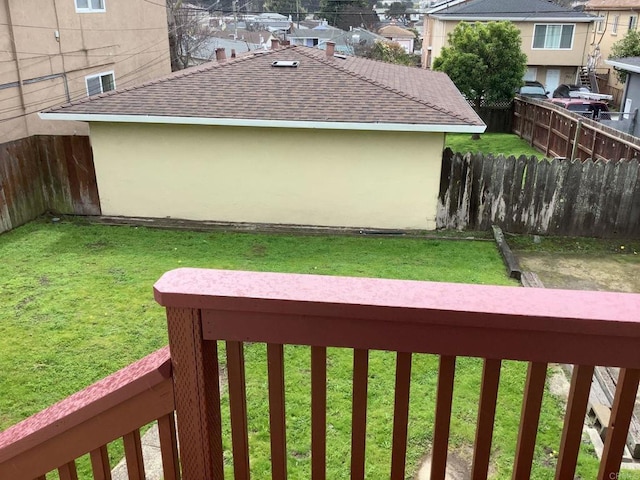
(623, 66)
(242, 122)
(463, 18)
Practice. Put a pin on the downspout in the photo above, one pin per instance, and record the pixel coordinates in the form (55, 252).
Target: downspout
(59, 40)
(14, 51)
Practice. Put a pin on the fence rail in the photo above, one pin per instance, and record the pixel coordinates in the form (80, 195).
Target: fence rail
(550, 197)
(44, 173)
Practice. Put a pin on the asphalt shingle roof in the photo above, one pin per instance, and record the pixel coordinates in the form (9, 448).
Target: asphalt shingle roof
(535, 9)
(320, 89)
(612, 5)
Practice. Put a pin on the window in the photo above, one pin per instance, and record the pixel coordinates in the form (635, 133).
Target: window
(100, 83)
(600, 26)
(633, 22)
(553, 37)
(84, 6)
(614, 25)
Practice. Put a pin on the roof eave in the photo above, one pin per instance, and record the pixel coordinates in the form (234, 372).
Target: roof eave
(624, 66)
(250, 122)
(497, 18)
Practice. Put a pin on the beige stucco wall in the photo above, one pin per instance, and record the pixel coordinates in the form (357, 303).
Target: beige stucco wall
(129, 38)
(269, 175)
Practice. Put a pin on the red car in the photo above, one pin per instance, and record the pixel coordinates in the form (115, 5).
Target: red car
(594, 109)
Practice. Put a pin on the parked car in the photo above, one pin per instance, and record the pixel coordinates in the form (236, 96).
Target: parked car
(589, 108)
(533, 89)
(570, 91)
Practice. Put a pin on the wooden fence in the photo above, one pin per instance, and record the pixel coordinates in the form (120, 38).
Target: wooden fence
(551, 197)
(559, 133)
(46, 173)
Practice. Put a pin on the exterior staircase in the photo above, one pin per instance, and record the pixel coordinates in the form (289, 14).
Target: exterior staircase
(587, 78)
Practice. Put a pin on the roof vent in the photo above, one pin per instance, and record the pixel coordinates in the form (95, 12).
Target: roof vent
(340, 56)
(286, 63)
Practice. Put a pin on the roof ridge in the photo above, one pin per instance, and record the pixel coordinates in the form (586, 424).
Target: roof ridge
(386, 87)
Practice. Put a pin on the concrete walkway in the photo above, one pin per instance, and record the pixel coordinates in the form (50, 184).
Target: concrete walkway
(150, 454)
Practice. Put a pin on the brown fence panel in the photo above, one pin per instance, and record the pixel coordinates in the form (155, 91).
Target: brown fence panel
(597, 198)
(555, 130)
(46, 173)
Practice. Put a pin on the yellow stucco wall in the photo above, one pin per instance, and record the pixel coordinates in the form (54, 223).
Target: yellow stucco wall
(265, 175)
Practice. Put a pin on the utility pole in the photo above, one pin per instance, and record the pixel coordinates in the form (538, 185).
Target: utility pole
(235, 19)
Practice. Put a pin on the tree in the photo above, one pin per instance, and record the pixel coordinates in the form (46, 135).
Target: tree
(627, 46)
(397, 11)
(392, 52)
(187, 34)
(348, 13)
(484, 60)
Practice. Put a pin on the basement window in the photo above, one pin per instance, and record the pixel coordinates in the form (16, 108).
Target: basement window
(286, 63)
(89, 6)
(103, 82)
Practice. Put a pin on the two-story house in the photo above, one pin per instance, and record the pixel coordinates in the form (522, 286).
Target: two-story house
(616, 18)
(555, 39)
(56, 51)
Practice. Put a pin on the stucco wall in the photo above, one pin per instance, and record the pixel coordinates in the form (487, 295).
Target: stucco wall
(241, 174)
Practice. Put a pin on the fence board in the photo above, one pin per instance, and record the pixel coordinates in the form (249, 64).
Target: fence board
(46, 173)
(527, 195)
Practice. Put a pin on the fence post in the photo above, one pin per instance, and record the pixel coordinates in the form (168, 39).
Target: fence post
(576, 139)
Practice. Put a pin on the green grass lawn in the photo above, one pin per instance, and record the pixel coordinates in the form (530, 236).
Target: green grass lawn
(77, 304)
(491, 143)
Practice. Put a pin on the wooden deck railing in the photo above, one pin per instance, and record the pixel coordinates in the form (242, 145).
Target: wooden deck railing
(205, 307)
(538, 326)
(115, 407)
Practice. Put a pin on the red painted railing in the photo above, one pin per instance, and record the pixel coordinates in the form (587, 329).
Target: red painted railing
(206, 306)
(115, 407)
(538, 326)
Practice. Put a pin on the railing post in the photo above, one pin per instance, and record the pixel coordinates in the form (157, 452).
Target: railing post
(195, 371)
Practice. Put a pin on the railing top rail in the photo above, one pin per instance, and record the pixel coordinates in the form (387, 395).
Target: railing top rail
(86, 404)
(512, 307)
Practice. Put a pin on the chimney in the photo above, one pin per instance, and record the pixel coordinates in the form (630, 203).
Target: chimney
(233, 53)
(221, 56)
(331, 49)
(285, 43)
(275, 44)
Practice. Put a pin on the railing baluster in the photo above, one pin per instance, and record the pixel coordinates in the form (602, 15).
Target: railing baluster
(446, 374)
(133, 454)
(486, 418)
(623, 404)
(574, 421)
(400, 415)
(238, 407)
(359, 412)
(100, 463)
(318, 413)
(277, 421)
(68, 471)
(169, 447)
(529, 418)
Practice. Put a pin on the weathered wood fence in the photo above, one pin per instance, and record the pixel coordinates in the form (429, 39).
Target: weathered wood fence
(559, 133)
(46, 173)
(551, 197)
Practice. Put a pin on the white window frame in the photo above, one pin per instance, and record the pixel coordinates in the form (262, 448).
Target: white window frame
(600, 26)
(573, 34)
(89, 8)
(99, 75)
(633, 22)
(614, 24)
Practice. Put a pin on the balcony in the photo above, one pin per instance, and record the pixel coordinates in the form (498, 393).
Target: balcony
(206, 307)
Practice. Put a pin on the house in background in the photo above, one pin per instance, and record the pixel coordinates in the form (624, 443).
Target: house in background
(555, 39)
(312, 37)
(324, 141)
(405, 38)
(630, 100)
(615, 19)
(58, 51)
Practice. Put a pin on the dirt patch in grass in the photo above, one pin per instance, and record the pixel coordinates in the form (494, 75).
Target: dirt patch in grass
(615, 273)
